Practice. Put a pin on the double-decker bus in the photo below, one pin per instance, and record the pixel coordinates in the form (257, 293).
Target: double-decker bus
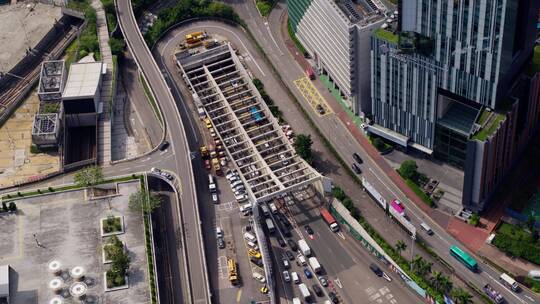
(464, 258)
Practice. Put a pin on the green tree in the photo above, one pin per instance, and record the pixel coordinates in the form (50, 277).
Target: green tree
(88, 176)
(338, 193)
(408, 169)
(474, 219)
(417, 263)
(461, 296)
(437, 279)
(117, 45)
(378, 144)
(143, 201)
(400, 246)
(530, 222)
(302, 145)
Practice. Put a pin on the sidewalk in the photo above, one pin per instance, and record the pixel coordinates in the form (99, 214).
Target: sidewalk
(104, 123)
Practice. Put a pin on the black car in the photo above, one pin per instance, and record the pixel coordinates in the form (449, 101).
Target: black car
(357, 158)
(256, 261)
(320, 109)
(221, 243)
(308, 230)
(333, 297)
(376, 269)
(281, 242)
(356, 168)
(324, 281)
(164, 145)
(292, 244)
(289, 255)
(317, 290)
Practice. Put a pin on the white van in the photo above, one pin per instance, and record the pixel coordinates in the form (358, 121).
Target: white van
(295, 278)
(211, 185)
(265, 210)
(253, 245)
(250, 237)
(245, 208)
(301, 260)
(509, 282)
(426, 228)
(273, 208)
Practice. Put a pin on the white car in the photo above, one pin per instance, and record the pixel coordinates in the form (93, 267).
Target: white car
(286, 276)
(215, 198)
(259, 277)
(241, 197)
(155, 170)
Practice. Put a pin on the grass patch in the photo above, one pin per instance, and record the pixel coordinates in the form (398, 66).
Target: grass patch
(534, 67)
(265, 7)
(88, 40)
(299, 45)
(113, 86)
(491, 127)
(151, 99)
(112, 224)
(386, 35)
(518, 242)
(424, 197)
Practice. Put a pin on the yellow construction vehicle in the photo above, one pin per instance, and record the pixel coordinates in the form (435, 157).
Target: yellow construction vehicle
(233, 272)
(195, 37)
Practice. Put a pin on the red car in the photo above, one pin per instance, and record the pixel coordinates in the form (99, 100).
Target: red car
(207, 165)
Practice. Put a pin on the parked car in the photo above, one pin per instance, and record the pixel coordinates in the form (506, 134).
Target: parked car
(289, 255)
(163, 146)
(215, 198)
(320, 109)
(333, 297)
(259, 277)
(292, 244)
(286, 264)
(376, 269)
(221, 242)
(357, 158)
(308, 230)
(281, 241)
(286, 276)
(308, 273)
(317, 290)
(324, 281)
(156, 170)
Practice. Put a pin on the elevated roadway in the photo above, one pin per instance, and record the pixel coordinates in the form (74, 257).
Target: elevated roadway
(180, 162)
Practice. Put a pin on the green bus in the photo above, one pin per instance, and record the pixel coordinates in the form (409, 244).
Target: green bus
(464, 258)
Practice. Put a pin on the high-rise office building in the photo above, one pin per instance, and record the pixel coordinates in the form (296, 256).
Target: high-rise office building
(451, 80)
(337, 34)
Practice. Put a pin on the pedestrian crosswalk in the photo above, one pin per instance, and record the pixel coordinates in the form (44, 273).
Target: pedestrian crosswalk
(381, 295)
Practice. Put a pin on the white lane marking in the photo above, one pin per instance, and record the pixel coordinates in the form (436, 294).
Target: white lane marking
(241, 42)
(500, 284)
(338, 283)
(341, 235)
(272, 37)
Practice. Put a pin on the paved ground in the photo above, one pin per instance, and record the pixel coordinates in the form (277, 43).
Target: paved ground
(17, 163)
(66, 227)
(23, 28)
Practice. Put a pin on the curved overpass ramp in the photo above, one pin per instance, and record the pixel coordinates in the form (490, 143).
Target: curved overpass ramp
(199, 289)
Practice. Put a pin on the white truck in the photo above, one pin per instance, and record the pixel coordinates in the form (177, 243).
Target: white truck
(304, 248)
(315, 265)
(305, 292)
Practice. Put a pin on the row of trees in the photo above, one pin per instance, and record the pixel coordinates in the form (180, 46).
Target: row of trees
(116, 275)
(187, 9)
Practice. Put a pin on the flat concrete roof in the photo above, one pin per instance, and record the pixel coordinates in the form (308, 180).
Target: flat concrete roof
(83, 80)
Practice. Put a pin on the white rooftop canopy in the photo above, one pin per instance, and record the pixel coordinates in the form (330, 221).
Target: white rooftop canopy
(4, 281)
(83, 80)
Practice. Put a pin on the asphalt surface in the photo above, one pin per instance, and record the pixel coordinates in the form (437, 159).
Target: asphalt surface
(269, 35)
(163, 53)
(168, 244)
(344, 261)
(180, 163)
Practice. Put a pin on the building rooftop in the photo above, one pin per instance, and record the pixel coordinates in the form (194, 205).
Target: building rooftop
(83, 80)
(459, 118)
(362, 11)
(489, 122)
(386, 35)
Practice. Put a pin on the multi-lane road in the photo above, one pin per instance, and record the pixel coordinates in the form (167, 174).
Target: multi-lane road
(270, 36)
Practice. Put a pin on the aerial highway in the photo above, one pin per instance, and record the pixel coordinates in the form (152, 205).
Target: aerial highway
(180, 162)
